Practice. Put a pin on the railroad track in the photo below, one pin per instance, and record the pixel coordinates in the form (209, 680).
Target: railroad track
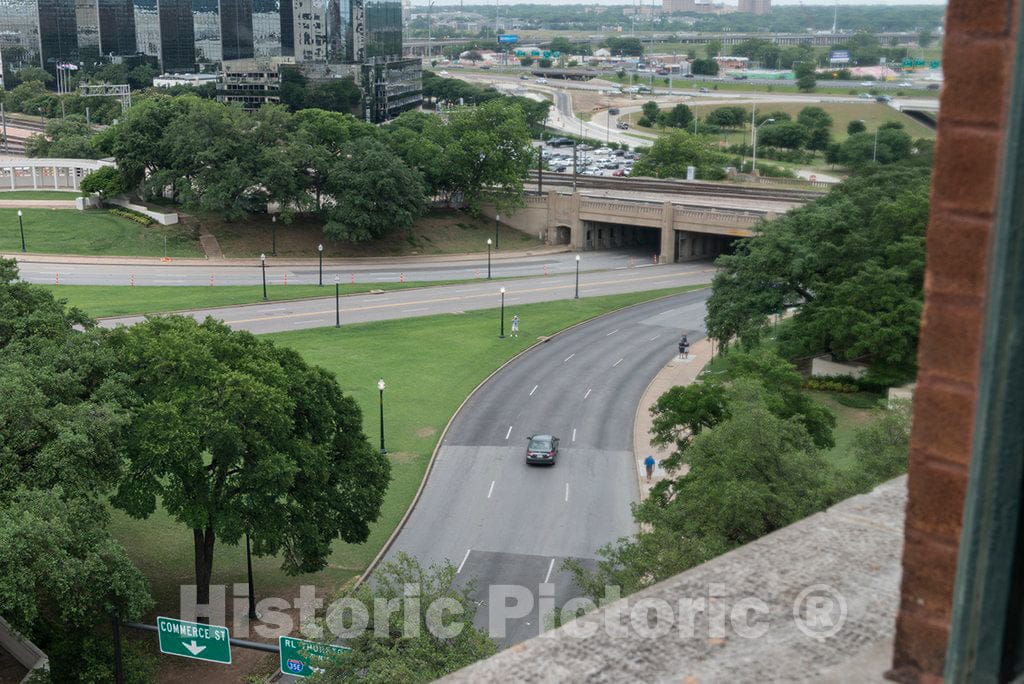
(679, 187)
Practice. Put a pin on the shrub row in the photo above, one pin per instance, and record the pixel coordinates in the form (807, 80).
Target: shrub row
(831, 385)
(132, 216)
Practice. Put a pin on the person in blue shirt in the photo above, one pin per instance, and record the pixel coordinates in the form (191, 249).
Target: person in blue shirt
(649, 463)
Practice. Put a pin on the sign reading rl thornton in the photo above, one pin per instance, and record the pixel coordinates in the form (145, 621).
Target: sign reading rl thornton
(303, 658)
(194, 640)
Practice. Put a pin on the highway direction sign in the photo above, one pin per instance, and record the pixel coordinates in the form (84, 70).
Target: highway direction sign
(301, 658)
(194, 640)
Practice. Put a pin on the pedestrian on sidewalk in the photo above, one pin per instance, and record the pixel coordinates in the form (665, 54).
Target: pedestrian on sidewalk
(515, 325)
(684, 347)
(649, 464)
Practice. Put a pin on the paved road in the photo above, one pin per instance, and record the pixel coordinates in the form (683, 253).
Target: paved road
(118, 271)
(502, 522)
(316, 313)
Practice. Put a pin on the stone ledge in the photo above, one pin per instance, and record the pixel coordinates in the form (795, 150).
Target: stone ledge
(855, 548)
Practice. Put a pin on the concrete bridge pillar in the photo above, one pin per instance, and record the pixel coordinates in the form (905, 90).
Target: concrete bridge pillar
(668, 234)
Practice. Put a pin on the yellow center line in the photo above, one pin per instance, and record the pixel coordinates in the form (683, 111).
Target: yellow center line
(458, 298)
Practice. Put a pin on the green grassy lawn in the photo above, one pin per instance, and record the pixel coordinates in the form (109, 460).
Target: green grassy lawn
(98, 233)
(119, 300)
(430, 365)
(68, 195)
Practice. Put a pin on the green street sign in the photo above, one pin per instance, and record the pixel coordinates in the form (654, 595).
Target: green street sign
(301, 658)
(194, 640)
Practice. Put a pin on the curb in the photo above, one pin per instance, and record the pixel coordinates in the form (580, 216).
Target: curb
(437, 447)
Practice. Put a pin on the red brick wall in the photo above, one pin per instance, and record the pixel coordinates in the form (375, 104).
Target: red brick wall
(978, 60)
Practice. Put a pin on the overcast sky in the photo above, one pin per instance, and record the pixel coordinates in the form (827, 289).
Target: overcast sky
(648, 2)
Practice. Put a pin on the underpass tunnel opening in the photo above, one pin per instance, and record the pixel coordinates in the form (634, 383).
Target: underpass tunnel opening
(598, 235)
(563, 235)
(690, 246)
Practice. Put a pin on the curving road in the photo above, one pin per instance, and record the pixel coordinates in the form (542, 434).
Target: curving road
(501, 522)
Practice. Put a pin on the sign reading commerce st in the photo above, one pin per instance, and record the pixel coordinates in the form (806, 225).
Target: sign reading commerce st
(194, 640)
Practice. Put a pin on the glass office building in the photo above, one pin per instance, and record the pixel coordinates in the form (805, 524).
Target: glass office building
(58, 33)
(236, 31)
(177, 36)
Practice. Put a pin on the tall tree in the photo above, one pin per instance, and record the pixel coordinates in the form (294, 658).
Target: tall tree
(853, 264)
(235, 435)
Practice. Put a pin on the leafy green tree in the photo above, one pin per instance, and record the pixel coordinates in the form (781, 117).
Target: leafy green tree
(726, 117)
(814, 118)
(34, 73)
(788, 134)
(651, 110)
(819, 139)
(806, 76)
(855, 126)
(679, 116)
(704, 67)
(671, 154)
(276, 450)
(427, 647)
(374, 193)
(853, 262)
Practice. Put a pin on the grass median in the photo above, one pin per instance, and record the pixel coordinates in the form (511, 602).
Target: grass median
(119, 300)
(92, 233)
(430, 365)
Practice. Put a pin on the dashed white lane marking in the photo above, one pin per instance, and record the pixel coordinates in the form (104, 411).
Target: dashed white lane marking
(588, 393)
(464, 559)
(617, 363)
(566, 491)
(574, 434)
(491, 490)
(534, 389)
(569, 357)
(509, 432)
(612, 332)
(551, 566)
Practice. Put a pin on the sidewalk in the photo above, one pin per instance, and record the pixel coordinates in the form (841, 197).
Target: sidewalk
(677, 372)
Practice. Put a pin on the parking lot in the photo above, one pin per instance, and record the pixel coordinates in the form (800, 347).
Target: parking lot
(590, 161)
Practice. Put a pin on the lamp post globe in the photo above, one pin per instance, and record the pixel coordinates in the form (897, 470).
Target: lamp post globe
(577, 296)
(263, 269)
(337, 301)
(320, 252)
(501, 335)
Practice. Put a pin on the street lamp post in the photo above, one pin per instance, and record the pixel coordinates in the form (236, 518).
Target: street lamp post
(577, 277)
(497, 221)
(273, 234)
(252, 591)
(320, 252)
(488, 258)
(337, 301)
(753, 163)
(501, 335)
(21, 227)
(263, 266)
(380, 386)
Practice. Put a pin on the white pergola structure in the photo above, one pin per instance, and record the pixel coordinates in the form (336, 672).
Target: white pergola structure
(43, 173)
